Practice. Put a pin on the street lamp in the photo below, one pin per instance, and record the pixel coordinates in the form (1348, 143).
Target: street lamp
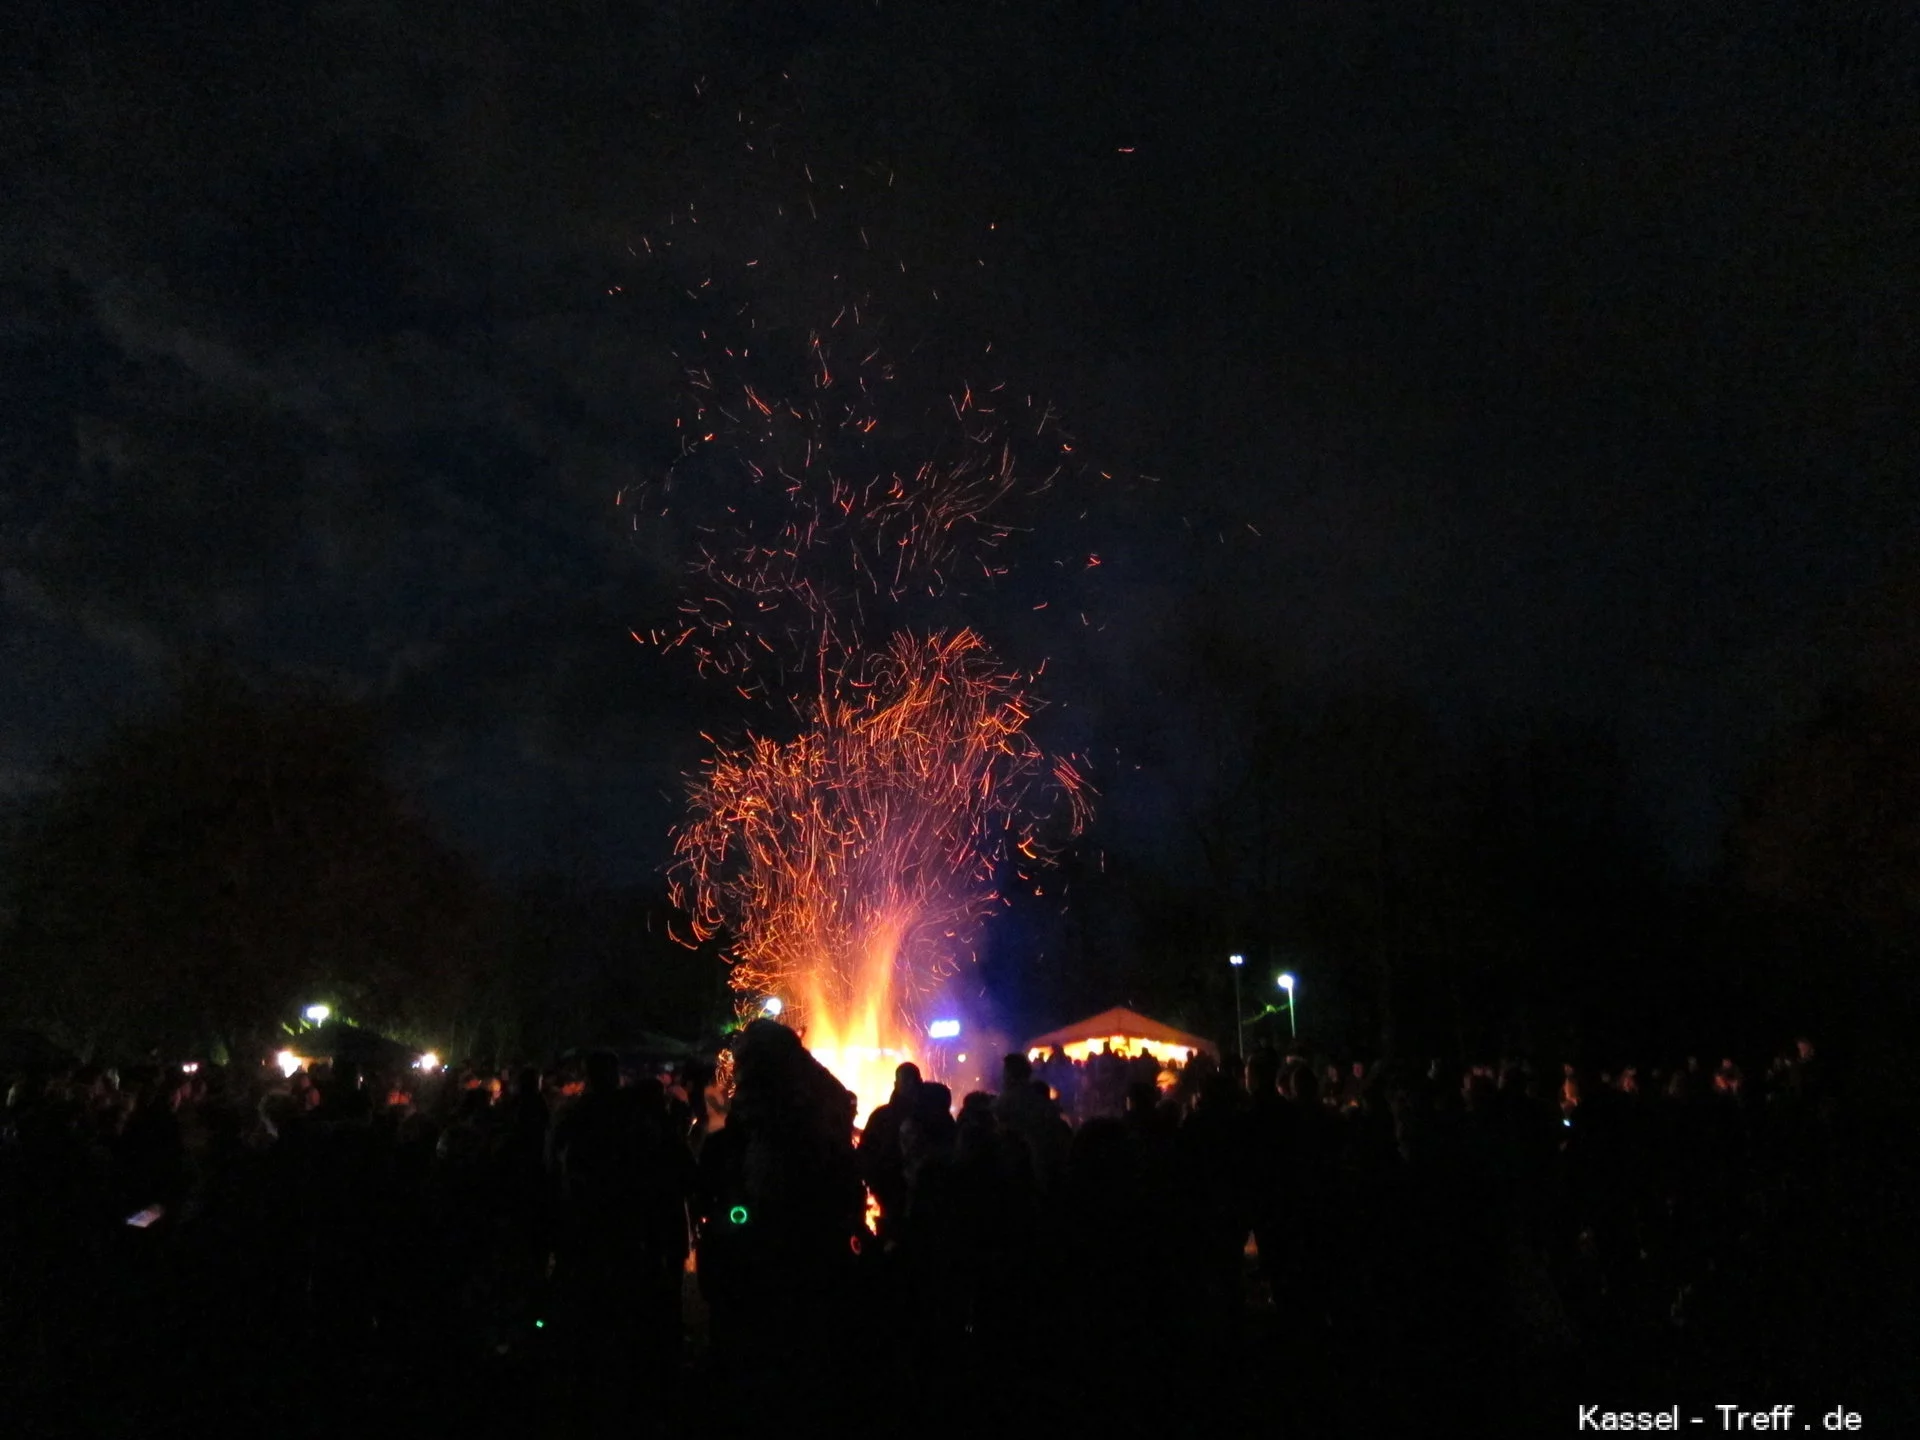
(1286, 983)
(1239, 1020)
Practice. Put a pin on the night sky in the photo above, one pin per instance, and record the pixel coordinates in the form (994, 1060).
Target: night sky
(1538, 360)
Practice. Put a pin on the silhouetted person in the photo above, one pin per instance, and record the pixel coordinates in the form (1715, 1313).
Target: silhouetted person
(622, 1223)
(524, 1124)
(781, 1205)
(149, 1158)
(1034, 1121)
(1213, 1147)
(882, 1164)
(1272, 1139)
(344, 1097)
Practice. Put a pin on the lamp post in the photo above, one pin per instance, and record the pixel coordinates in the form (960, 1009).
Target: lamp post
(1239, 1020)
(1286, 983)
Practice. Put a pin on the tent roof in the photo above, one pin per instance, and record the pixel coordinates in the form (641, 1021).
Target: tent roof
(647, 1045)
(1121, 1021)
(338, 1040)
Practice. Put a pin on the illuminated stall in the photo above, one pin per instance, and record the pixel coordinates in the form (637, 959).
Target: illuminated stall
(1127, 1033)
(327, 1037)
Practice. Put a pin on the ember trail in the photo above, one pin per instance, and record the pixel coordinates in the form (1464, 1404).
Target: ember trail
(846, 478)
(851, 866)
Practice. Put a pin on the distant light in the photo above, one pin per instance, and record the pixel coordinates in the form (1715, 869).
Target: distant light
(288, 1062)
(943, 1029)
(428, 1061)
(737, 1215)
(318, 1013)
(773, 1006)
(1236, 961)
(1285, 982)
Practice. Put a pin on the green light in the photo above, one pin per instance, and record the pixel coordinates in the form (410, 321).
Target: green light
(737, 1215)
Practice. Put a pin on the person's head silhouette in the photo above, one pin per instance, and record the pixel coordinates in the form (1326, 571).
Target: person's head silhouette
(906, 1083)
(603, 1072)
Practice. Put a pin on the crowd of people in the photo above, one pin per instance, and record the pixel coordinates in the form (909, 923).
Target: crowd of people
(1277, 1238)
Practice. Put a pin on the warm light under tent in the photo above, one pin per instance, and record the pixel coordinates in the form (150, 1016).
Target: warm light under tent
(1128, 1032)
(1126, 1046)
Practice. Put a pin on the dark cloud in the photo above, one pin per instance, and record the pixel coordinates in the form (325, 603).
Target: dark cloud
(1517, 361)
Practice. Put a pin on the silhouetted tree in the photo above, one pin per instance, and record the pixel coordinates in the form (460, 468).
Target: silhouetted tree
(597, 966)
(197, 877)
(1832, 825)
(1825, 863)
